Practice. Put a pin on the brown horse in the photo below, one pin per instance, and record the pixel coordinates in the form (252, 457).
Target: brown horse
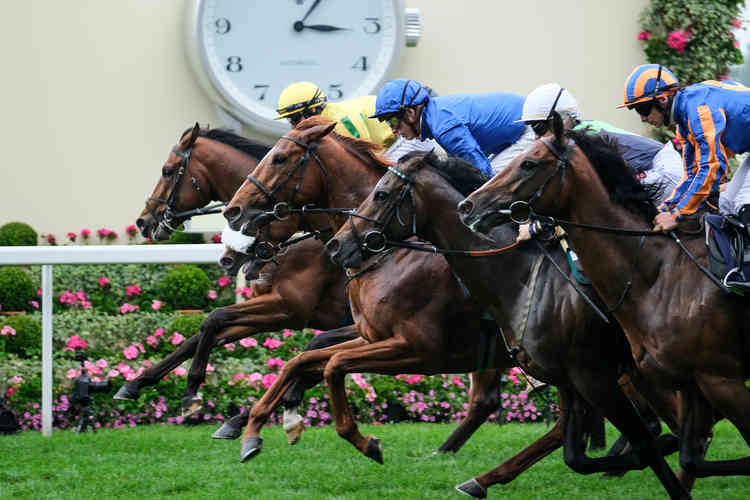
(389, 302)
(299, 288)
(684, 332)
(557, 336)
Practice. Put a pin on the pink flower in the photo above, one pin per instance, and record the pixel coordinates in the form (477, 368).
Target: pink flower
(51, 239)
(113, 373)
(248, 342)
(246, 291)
(158, 332)
(128, 308)
(76, 342)
(224, 281)
(413, 379)
(103, 281)
(131, 230)
(230, 346)
(130, 352)
(317, 332)
(677, 40)
(34, 304)
(644, 35)
(272, 343)
(72, 236)
(72, 373)
(15, 379)
(177, 338)
(132, 290)
(275, 363)
(85, 233)
(10, 392)
(123, 368)
(216, 238)
(287, 333)
(103, 232)
(152, 341)
(255, 377)
(102, 363)
(156, 304)
(8, 330)
(179, 371)
(212, 294)
(268, 380)
(736, 44)
(39, 292)
(457, 381)
(209, 368)
(737, 23)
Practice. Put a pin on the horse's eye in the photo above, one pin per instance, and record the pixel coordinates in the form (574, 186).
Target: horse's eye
(380, 196)
(167, 172)
(528, 164)
(279, 159)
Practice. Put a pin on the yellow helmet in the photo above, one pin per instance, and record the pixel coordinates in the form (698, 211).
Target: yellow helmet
(298, 97)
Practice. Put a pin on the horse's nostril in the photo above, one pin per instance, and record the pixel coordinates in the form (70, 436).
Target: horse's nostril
(232, 213)
(333, 247)
(466, 207)
(139, 223)
(226, 262)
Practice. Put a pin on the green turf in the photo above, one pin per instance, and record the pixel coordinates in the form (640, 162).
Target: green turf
(180, 462)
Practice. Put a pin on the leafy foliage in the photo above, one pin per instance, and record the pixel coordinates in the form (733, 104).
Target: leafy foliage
(187, 324)
(17, 234)
(16, 289)
(27, 341)
(185, 287)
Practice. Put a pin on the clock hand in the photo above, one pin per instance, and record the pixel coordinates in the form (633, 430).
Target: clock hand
(324, 27)
(309, 11)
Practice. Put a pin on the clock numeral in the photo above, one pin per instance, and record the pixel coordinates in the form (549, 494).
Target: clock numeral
(361, 63)
(222, 26)
(234, 64)
(372, 26)
(264, 90)
(334, 91)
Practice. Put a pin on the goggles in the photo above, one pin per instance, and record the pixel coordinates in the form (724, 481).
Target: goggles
(392, 120)
(540, 127)
(643, 108)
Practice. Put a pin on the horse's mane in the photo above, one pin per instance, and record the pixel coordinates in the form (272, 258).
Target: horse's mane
(225, 136)
(459, 173)
(618, 178)
(361, 147)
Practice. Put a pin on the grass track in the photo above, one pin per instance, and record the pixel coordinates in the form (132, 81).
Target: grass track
(179, 462)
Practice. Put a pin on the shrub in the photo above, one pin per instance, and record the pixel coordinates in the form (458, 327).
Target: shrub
(16, 289)
(17, 234)
(185, 287)
(184, 238)
(187, 324)
(28, 338)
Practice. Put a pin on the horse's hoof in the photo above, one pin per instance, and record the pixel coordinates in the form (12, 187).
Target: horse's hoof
(128, 392)
(250, 448)
(667, 444)
(472, 488)
(293, 434)
(192, 405)
(373, 450)
(227, 431)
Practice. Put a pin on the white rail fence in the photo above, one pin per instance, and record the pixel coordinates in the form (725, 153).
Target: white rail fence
(47, 257)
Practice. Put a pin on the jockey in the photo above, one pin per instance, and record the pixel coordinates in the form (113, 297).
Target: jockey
(713, 121)
(470, 126)
(304, 99)
(653, 162)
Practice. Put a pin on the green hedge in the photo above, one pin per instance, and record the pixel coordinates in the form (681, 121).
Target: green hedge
(16, 289)
(17, 234)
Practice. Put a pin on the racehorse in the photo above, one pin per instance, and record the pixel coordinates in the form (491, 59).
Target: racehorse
(299, 288)
(384, 299)
(556, 335)
(684, 331)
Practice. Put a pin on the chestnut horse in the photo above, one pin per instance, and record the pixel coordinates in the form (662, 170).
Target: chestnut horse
(557, 336)
(684, 332)
(299, 288)
(389, 301)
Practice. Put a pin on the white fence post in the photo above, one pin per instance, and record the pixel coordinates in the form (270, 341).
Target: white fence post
(47, 349)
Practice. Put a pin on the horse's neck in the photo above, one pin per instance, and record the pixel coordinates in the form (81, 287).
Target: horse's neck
(226, 169)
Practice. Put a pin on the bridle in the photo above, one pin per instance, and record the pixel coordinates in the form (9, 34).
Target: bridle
(171, 213)
(281, 209)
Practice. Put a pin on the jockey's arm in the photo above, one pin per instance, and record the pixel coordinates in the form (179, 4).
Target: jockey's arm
(458, 141)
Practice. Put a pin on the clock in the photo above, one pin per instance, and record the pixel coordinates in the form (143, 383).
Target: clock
(245, 52)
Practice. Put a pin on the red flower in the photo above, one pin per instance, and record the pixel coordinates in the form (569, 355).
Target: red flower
(131, 230)
(677, 40)
(72, 236)
(644, 35)
(737, 23)
(216, 238)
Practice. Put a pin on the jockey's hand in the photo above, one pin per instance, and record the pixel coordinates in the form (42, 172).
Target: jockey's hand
(664, 222)
(723, 186)
(523, 233)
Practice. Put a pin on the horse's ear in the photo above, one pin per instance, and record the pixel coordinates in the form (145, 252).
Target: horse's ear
(319, 131)
(194, 135)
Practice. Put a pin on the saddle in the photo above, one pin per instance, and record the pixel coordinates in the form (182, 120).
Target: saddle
(728, 240)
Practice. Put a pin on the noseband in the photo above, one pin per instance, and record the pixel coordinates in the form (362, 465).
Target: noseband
(171, 213)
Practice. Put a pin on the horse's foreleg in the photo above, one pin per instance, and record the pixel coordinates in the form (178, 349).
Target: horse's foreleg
(308, 362)
(391, 356)
(227, 324)
(483, 400)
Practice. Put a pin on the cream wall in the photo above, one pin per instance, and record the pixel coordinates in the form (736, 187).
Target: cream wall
(96, 92)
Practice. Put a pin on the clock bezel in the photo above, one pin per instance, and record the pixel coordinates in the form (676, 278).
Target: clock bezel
(199, 61)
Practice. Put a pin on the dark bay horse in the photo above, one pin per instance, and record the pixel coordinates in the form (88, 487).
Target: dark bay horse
(301, 288)
(558, 337)
(394, 310)
(684, 332)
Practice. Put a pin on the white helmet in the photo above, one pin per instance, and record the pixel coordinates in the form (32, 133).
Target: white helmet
(546, 98)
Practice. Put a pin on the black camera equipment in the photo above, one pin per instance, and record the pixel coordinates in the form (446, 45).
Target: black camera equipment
(8, 420)
(81, 396)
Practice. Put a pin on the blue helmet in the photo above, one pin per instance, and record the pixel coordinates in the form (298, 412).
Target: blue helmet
(397, 95)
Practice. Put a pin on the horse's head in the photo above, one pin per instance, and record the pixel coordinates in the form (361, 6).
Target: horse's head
(533, 180)
(180, 187)
(291, 175)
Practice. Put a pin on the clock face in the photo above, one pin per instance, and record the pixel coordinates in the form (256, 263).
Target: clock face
(252, 49)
